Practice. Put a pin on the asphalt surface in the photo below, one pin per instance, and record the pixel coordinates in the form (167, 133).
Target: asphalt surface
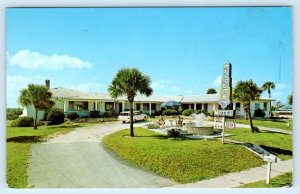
(78, 160)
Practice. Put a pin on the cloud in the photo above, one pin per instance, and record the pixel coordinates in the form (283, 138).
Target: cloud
(157, 85)
(90, 87)
(281, 86)
(14, 83)
(34, 60)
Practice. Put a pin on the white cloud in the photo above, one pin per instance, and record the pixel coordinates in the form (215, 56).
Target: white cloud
(157, 85)
(34, 60)
(90, 87)
(281, 86)
(14, 83)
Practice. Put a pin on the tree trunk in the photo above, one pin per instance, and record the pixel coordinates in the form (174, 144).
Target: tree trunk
(250, 118)
(131, 119)
(35, 120)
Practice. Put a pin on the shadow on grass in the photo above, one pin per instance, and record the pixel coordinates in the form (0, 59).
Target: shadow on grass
(63, 126)
(24, 139)
(163, 137)
(277, 151)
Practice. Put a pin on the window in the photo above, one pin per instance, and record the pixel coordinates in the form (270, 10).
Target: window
(145, 106)
(257, 106)
(238, 106)
(78, 105)
(109, 105)
(198, 106)
(265, 106)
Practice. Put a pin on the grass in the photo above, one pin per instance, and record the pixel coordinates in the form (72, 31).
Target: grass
(181, 160)
(19, 140)
(278, 181)
(276, 143)
(272, 123)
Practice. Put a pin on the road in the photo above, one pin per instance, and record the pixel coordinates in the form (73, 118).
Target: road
(78, 160)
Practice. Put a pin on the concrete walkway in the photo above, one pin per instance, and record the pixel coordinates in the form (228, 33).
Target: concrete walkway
(77, 160)
(241, 178)
(266, 129)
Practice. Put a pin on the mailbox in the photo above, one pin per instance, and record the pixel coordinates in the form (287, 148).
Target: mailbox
(270, 158)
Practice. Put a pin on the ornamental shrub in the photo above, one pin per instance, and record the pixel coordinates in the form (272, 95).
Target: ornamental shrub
(174, 133)
(13, 113)
(188, 112)
(259, 113)
(72, 116)
(55, 115)
(22, 122)
(107, 114)
(95, 114)
(170, 112)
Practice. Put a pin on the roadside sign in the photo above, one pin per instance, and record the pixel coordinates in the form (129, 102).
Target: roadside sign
(225, 89)
(218, 122)
(230, 124)
(224, 113)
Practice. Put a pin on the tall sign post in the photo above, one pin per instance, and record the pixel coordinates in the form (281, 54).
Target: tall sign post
(225, 99)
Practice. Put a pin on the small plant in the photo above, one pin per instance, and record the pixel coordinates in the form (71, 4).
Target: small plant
(174, 132)
(55, 115)
(211, 113)
(95, 114)
(259, 113)
(22, 122)
(72, 116)
(152, 126)
(170, 112)
(107, 114)
(188, 112)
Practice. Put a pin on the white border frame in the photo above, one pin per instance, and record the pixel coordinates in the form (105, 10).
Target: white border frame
(295, 4)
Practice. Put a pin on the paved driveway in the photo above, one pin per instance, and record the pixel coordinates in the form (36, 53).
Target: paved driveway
(77, 160)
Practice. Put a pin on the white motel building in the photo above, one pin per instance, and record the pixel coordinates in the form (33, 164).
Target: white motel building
(82, 103)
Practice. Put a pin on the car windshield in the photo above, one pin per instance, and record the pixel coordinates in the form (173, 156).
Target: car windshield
(124, 114)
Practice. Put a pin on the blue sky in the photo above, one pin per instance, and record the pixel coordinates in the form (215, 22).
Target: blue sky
(182, 49)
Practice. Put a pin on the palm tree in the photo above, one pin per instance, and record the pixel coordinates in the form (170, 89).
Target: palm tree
(211, 91)
(245, 92)
(268, 86)
(38, 96)
(290, 99)
(129, 82)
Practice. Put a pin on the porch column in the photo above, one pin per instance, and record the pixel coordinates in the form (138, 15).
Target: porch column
(234, 105)
(123, 106)
(189, 106)
(96, 106)
(65, 105)
(150, 108)
(142, 107)
(195, 105)
(114, 106)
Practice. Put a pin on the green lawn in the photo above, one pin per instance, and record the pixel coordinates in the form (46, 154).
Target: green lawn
(278, 143)
(19, 140)
(272, 123)
(181, 160)
(279, 181)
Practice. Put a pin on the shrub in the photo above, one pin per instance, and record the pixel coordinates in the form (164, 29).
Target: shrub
(107, 114)
(22, 122)
(13, 113)
(72, 116)
(211, 113)
(188, 112)
(198, 111)
(153, 126)
(95, 114)
(170, 112)
(55, 115)
(180, 110)
(174, 133)
(259, 113)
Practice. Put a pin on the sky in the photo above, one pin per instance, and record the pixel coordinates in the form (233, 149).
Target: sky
(182, 49)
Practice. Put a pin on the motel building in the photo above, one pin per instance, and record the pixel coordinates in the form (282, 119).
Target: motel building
(83, 103)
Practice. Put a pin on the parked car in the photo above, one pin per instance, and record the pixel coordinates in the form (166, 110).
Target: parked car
(137, 116)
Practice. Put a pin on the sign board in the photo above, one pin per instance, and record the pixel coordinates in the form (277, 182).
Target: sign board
(224, 113)
(225, 89)
(270, 158)
(230, 124)
(218, 122)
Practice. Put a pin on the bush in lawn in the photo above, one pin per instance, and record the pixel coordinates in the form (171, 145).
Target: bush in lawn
(180, 110)
(198, 111)
(95, 114)
(55, 115)
(13, 113)
(174, 133)
(153, 126)
(188, 112)
(72, 116)
(22, 122)
(107, 114)
(170, 112)
(259, 113)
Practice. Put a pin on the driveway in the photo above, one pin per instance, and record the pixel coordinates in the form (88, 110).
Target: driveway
(78, 160)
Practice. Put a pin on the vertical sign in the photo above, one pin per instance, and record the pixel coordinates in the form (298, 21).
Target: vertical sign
(225, 89)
